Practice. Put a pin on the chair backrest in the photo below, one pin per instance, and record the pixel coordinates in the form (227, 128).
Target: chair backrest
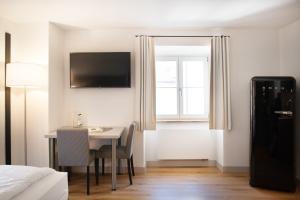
(73, 147)
(130, 138)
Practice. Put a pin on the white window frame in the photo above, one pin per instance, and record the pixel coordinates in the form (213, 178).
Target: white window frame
(180, 116)
(170, 117)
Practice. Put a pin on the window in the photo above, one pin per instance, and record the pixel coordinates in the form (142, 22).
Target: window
(182, 88)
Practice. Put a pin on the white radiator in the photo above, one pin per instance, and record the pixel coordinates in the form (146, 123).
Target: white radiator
(183, 144)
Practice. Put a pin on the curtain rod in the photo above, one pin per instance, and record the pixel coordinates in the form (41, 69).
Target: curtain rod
(209, 36)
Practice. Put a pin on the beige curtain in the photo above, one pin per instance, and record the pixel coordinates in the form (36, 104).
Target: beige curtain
(145, 83)
(220, 108)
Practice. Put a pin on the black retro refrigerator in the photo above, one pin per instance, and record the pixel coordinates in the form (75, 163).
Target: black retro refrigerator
(272, 161)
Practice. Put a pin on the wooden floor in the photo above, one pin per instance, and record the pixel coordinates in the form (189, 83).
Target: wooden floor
(205, 183)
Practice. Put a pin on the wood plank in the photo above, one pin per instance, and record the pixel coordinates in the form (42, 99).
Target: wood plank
(206, 183)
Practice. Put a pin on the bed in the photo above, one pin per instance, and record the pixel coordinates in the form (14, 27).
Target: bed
(32, 183)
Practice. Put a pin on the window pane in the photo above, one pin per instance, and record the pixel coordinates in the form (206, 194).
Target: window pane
(166, 73)
(193, 73)
(193, 101)
(166, 101)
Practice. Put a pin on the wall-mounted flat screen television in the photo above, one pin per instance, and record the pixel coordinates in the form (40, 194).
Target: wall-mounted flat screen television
(100, 69)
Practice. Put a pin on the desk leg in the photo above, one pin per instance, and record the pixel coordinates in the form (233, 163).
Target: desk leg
(119, 160)
(52, 153)
(114, 163)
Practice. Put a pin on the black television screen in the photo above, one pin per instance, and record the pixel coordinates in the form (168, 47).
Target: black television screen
(100, 69)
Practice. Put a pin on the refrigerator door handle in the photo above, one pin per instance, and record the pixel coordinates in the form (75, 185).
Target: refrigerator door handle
(283, 112)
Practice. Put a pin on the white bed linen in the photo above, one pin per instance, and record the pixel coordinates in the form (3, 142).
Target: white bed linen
(51, 187)
(15, 179)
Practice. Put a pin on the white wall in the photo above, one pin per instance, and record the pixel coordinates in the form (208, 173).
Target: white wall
(106, 107)
(181, 140)
(30, 44)
(56, 77)
(219, 135)
(101, 107)
(253, 53)
(290, 66)
(184, 140)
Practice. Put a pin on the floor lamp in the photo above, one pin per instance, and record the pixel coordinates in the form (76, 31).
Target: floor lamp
(24, 75)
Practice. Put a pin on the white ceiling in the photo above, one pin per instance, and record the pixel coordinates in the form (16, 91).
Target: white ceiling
(154, 13)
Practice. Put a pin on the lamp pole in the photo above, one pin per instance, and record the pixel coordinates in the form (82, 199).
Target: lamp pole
(25, 125)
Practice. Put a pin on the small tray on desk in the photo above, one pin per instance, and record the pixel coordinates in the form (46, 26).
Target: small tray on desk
(97, 130)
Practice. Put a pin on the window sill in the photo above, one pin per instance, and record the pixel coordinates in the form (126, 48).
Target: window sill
(182, 120)
(182, 125)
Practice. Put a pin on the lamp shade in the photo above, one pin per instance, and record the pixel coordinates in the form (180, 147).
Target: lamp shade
(24, 75)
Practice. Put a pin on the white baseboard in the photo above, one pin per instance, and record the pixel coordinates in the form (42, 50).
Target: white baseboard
(196, 163)
(181, 163)
(231, 169)
(171, 163)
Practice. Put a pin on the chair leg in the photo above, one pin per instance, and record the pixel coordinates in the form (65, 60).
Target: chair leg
(97, 170)
(88, 180)
(132, 167)
(129, 171)
(103, 166)
(119, 166)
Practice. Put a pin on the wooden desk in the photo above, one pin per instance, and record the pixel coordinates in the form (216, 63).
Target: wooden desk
(112, 134)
